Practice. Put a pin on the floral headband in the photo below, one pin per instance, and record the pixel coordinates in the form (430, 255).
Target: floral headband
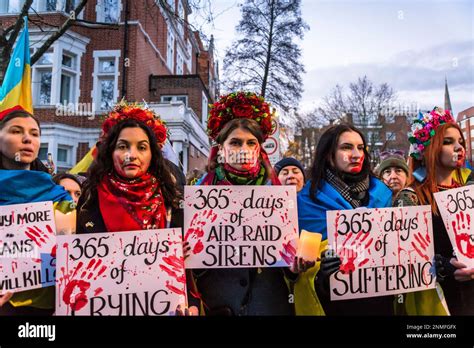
(240, 105)
(123, 111)
(424, 128)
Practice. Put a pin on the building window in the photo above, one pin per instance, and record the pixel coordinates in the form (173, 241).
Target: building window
(170, 51)
(181, 18)
(179, 64)
(64, 155)
(205, 106)
(43, 81)
(189, 61)
(43, 152)
(108, 11)
(105, 79)
(390, 136)
(175, 98)
(68, 77)
(472, 132)
(463, 124)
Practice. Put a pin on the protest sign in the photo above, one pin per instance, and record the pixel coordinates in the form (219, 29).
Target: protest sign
(240, 226)
(456, 207)
(27, 246)
(123, 273)
(383, 251)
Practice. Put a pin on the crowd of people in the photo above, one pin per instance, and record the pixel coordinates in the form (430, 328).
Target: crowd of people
(131, 186)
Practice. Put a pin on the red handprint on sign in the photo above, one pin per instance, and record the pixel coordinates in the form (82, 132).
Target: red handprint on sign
(39, 237)
(195, 230)
(349, 254)
(463, 234)
(77, 283)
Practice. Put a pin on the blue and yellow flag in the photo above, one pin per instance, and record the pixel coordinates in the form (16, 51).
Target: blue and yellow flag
(16, 87)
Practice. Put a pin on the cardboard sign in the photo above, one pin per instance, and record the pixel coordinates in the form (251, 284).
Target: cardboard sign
(383, 251)
(456, 207)
(240, 226)
(123, 273)
(27, 246)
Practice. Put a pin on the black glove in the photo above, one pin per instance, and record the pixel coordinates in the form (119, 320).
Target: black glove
(330, 263)
(443, 267)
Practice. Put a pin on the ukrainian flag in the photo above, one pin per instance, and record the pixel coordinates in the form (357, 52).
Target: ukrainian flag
(16, 87)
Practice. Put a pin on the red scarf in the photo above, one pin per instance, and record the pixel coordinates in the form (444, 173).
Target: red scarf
(129, 205)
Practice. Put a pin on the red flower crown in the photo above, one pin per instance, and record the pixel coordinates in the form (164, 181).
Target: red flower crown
(123, 111)
(240, 105)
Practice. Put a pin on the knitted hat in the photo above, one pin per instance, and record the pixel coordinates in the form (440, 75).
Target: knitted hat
(392, 159)
(289, 161)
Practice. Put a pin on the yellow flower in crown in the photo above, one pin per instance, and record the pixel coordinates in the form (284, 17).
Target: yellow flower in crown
(139, 112)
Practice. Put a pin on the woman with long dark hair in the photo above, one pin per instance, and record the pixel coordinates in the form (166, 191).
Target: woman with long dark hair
(24, 179)
(341, 178)
(437, 156)
(239, 123)
(130, 185)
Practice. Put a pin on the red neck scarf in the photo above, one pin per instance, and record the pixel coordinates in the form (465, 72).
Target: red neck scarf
(129, 205)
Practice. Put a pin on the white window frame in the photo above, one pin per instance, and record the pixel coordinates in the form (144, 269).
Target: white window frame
(95, 94)
(69, 151)
(174, 98)
(472, 133)
(179, 63)
(180, 21)
(72, 45)
(189, 61)
(389, 137)
(204, 108)
(170, 45)
(99, 9)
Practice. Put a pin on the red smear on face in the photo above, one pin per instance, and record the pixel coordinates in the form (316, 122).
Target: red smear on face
(358, 168)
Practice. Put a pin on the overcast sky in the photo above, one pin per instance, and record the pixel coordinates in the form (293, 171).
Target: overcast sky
(412, 45)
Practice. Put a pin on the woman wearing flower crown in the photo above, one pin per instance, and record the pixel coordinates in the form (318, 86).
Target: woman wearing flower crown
(130, 186)
(239, 123)
(437, 158)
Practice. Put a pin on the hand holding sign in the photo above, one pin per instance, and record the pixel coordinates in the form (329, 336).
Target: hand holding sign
(125, 273)
(382, 251)
(240, 226)
(456, 207)
(27, 246)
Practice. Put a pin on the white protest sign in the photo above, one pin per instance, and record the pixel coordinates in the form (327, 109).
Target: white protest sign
(457, 210)
(27, 246)
(123, 273)
(240, 226)
(383, 251)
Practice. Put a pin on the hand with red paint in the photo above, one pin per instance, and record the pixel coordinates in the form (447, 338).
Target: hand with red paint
(186, 249)
(5, 298)
(462, 273)
(300, 265)
(183, 311)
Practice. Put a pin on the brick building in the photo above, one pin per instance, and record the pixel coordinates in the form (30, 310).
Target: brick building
(110, 53)
(465, 119)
